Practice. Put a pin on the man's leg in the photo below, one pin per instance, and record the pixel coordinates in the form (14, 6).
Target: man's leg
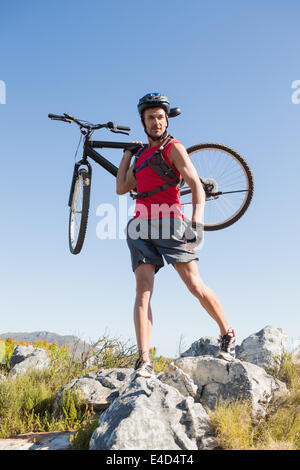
(189, 273)
(144, 274)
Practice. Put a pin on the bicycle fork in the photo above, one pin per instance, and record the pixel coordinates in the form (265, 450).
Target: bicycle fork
(84, 161)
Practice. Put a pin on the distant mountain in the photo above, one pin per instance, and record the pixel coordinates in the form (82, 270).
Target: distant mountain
(75, 345)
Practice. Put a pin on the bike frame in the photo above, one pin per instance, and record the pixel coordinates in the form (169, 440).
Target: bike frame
(88, 151)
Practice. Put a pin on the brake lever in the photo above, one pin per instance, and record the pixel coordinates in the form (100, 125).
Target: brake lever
(64, 120)
(119, 132)
(113, 128)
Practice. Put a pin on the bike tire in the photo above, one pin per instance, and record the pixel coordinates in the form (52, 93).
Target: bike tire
(79, 199)
(238, 166)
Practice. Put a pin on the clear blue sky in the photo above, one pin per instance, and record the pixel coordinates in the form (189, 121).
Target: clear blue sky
(229, 66)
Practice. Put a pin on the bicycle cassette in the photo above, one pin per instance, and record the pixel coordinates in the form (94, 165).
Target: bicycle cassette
(211, 186)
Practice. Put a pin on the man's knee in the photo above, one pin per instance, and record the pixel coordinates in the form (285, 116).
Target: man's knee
(144, 286)
(144, 280)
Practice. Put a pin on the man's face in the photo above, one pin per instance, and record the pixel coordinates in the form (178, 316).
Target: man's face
(155, 121)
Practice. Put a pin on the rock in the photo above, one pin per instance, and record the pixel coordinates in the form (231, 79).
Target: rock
(175, 377)
(2, 377)
(98, 389)
(77, 347)
(28, 357)
(19, 354)
(206, 346)
(263, 348)
(218, 379)
(151, 415)
(59, 440)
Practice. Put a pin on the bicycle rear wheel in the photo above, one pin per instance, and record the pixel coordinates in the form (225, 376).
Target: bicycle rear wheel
(228, 183)
(79, 210)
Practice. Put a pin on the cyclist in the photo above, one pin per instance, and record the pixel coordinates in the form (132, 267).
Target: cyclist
(159, 229)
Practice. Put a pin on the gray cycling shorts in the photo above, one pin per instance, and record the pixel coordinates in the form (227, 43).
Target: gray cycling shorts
(152, 241)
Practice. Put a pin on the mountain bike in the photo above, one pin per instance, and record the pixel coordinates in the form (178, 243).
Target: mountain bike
(225, 175)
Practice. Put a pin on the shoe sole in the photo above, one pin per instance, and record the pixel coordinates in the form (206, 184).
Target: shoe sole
(145, 375)
(226, 357)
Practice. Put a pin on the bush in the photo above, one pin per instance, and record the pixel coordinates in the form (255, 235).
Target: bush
(27, 401)
(160, 364)
(110, 353)
(81, 439)
(278, 430)
(57, 354)
(233, 425)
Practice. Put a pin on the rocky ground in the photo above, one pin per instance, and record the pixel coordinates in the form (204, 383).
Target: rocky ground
(38, 441)
(166, 412)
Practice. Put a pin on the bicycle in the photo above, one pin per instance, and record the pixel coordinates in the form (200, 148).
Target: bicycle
(225, 175)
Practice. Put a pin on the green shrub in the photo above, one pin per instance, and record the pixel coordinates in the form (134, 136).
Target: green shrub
(112, 352)
(27, 401)
(82, 437)
(233, 425)
(278, 430)
(58, 354)
(160, 364)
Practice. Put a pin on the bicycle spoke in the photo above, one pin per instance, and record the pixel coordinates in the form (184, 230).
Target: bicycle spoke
(219, 167)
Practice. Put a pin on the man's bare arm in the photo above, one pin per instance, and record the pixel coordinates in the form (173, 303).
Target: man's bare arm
(180, 159)
(125, 177)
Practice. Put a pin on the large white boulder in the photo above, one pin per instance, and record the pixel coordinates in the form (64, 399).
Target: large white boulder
(263, 348)
(98, 389)
(217, 379)
(151, 415)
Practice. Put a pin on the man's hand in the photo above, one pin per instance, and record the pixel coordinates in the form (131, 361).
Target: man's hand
(134, 147)
(193, 233)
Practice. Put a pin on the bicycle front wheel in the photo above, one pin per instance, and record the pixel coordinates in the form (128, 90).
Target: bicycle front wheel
(227, 181)
(79, 210)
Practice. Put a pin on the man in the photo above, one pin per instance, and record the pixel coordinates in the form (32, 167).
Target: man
(159, 229)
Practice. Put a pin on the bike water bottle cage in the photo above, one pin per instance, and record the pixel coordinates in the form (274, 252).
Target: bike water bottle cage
(157, 162)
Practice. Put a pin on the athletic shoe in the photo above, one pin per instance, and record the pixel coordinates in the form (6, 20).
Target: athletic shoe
(143, 369)
(227, 346)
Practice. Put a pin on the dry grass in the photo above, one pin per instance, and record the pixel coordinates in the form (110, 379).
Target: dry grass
(278, 430)
(27, 401)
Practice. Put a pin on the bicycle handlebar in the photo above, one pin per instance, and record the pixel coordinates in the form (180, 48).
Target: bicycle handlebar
(121, 128)
(56, 117)
(69, 118)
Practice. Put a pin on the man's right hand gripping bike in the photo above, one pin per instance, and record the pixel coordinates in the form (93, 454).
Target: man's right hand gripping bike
(224, 174)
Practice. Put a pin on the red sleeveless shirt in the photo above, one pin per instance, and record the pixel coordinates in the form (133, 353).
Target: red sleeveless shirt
(164, 203)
